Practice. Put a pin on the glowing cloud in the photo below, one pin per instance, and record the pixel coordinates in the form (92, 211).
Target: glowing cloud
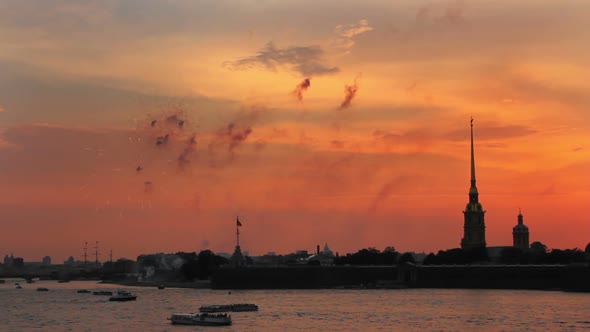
(346, 33)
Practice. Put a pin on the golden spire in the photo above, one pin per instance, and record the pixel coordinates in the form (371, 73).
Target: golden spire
(473, 189)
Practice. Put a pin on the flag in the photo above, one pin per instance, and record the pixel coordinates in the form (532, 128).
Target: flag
(238, 223)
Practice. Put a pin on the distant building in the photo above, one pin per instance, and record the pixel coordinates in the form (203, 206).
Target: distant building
(474, 229)
(520, 234)
(70, 261)
(418, 257)
(46, 260)
(327, 251)
(18, 262)
(301, 253)
(8, 260)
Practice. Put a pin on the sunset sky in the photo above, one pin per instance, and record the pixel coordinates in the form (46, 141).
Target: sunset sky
(82, 81)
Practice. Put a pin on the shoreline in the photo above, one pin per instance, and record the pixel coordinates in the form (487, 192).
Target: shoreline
(200, 284)
(206, 284)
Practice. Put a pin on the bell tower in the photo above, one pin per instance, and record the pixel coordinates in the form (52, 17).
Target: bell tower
(520, 234)
(474, 229)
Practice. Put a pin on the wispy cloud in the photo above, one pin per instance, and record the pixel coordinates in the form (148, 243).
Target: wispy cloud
(347, 32)
(451, 12)
(306, 60)
(492, 132)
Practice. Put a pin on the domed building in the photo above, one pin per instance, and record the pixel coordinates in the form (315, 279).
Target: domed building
(520, 234)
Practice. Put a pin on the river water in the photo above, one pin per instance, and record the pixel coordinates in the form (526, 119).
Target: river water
(63, 309)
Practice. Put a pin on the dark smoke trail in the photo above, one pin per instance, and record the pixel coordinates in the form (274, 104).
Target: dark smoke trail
(238, 137)
(349, 93)
(160, 140)
(183, 158)
(298, 92)
(231, 137)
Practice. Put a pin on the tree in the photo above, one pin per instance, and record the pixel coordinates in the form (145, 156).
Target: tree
(406, 258)
(124, 265)
(430, 259)
(538, 248)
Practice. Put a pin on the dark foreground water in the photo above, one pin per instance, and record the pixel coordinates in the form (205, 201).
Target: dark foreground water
(62, 309)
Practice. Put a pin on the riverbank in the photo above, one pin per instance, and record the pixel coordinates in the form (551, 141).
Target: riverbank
(167, 284)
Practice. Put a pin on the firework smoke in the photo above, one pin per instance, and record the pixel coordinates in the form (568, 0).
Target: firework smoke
(232, 135)
(298, 92)
(183, 158)
(349, 93)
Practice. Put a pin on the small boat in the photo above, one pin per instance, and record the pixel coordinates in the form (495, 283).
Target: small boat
(42, 289)
(161, 287)
(229, 307)
(19, 287)
(83, 291)
(30, 281)
(200, 319)
(123, 295)
(102, 292)
(215, 308)
(62, 281)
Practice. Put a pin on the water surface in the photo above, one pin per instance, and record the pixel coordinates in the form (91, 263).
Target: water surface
(63, 309)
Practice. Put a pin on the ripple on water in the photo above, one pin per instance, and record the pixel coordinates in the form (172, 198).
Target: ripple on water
(64, 309)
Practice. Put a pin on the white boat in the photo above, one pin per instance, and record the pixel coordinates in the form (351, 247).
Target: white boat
(123, 295)
(200, 319)
(229, 307)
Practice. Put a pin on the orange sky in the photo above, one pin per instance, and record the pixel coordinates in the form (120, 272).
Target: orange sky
(80, 84)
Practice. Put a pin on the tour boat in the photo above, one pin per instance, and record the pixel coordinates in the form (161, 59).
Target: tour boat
(229, 307)
(215, 308)
(200, 319)
(42, 289)
(83, 291)
(123, 295)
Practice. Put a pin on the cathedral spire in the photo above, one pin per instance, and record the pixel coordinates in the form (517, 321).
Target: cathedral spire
(473, 190)
(472, 158)
(474, 227)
